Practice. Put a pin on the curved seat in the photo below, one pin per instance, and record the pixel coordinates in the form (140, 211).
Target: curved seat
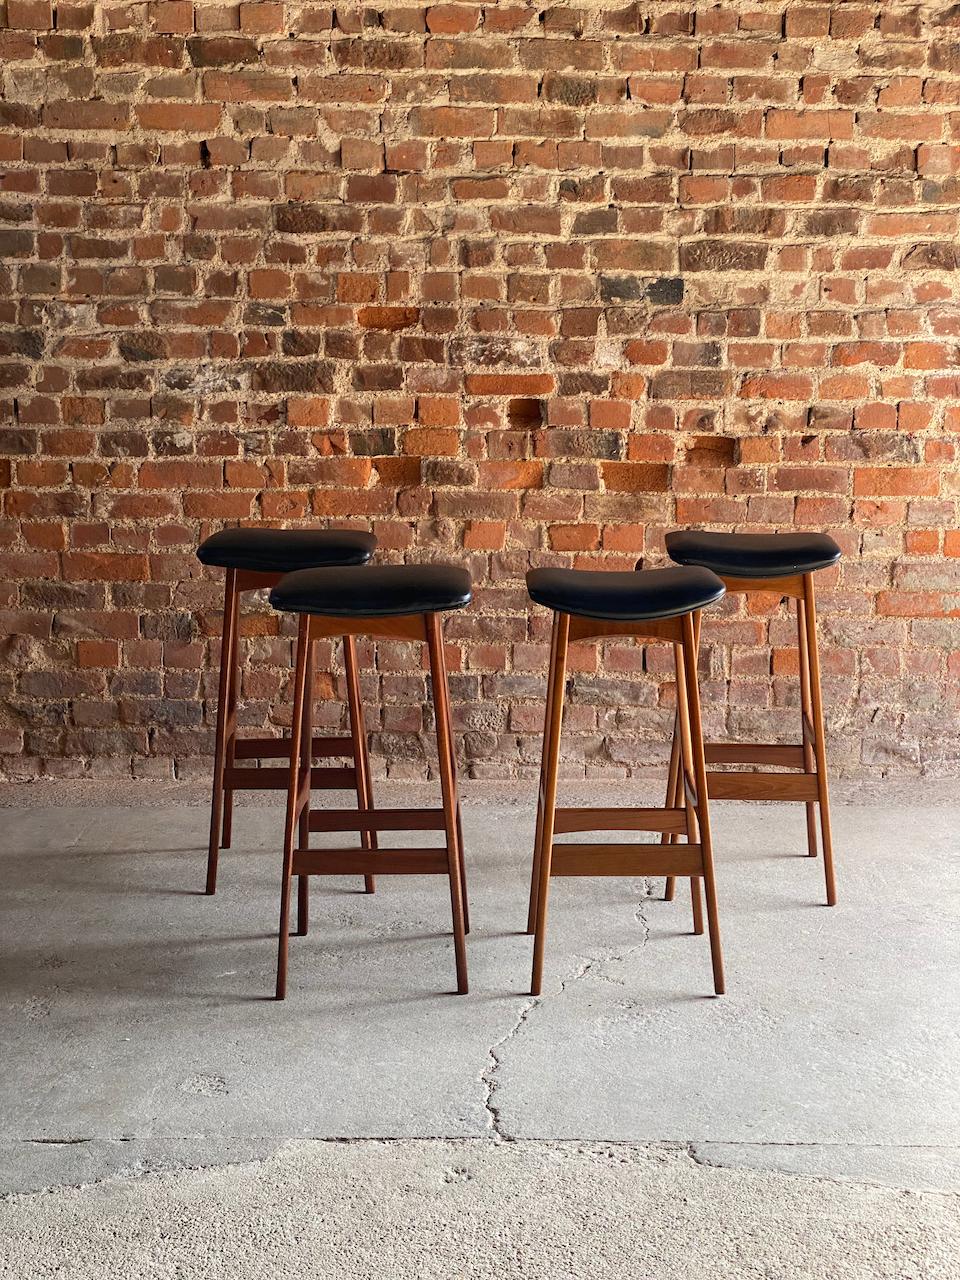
(753, 555)
(284, 550)
(624, 597)
(384, 591)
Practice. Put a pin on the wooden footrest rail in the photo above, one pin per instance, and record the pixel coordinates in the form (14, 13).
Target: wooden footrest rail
(377, 820)
(662, 820)
(626, 860)
(380, 862)
(753, 753)
(323, 779)
(279, 748)
(762, 786)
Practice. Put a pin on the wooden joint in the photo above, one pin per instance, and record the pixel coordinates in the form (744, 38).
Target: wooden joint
(690, 788)
(790, 586)
(253, 580)
(406, 626)
(584, 629)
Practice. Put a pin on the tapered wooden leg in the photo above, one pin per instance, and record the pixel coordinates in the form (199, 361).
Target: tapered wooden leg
(461, 858)
(692, 755)
(551, 733)
(358, 734)
(459, 825)
(806, 718)
(296, 783)
(448, 788)
(680, 798)
(675, 799)
(306, 740)
(672, 801)
(233, 697)
(695, 900)
(819, 736)
(535, 872)
(220, 740)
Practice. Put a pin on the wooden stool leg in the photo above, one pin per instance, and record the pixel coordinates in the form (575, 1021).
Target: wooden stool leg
(691, 729)
(806, 719)
(535, 873)
(358, 734)
(220, 740)
(233, 697)
(676, 800)
(551, 759)
(306, 746)
(461, 858)
(296, 783)
(680, 798)
(695, 900)
(672, 801)
(819, 736)
(448, 788)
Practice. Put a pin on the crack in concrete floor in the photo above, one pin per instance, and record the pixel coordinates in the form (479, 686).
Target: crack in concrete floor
(488, 1077)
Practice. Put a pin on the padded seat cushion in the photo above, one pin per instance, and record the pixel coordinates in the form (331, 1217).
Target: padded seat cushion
(624, 597)
(283, 550)
(380, 592)
(753, 555)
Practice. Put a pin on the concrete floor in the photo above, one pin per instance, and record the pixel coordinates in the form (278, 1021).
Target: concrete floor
(625, 1123)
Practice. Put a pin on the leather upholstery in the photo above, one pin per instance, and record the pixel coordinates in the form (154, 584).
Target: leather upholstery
(753, 555)
(624, 597)
(380, 592)
(283, 550)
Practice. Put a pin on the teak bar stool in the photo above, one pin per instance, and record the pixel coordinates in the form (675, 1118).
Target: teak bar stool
(659, 604)
(396, 602)
(783, 563)
(255, 559)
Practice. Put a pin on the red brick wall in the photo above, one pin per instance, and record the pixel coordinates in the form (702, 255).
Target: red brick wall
(514, 283)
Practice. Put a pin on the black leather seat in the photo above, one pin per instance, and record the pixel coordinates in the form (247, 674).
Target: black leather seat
(283, 550)
(753, 555)
(624, 597)
(381, 592)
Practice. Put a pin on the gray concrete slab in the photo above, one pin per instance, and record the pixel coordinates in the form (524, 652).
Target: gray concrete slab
(139, 1039)
(479, 1210)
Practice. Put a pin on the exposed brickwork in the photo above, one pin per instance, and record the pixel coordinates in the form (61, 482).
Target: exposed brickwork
(520, 283)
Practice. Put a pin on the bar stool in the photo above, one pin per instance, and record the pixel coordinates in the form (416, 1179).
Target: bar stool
(255, 559)
(783, 563)
(394, 602)
(658, 604)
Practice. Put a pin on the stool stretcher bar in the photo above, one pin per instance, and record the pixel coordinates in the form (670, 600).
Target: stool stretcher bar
(626, 860)
(620, 820)
(382, 862)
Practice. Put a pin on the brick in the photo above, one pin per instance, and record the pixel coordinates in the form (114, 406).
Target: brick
(179, 117)
(87, 116)
(261, 17)
(509, 384)
(896, 481)
(29, 15)
(172, 16)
